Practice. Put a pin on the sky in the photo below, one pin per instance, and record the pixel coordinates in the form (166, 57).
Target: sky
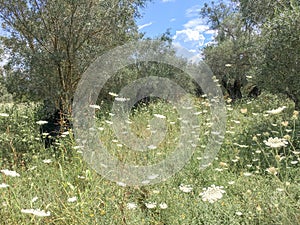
(182, 17)
(188, 30)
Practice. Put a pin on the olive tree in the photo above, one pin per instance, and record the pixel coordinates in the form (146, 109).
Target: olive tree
(278, 67)
(52, 42)
(231, 55)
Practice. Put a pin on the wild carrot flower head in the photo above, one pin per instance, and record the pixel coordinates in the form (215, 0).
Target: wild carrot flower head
(276, 142)
(10, 173)
(131, 205)
(150, 205)
(212, 193)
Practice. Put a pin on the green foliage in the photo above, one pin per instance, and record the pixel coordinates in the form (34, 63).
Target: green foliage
(256, 13)
(219, 16)
(19, 133)
(231, 55)
(51, 43)
(279, 48)
(253, 195)
(258, 39)
(5, 96)
(144, 69)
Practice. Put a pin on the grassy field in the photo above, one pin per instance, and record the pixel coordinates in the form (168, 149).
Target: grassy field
(254, 179)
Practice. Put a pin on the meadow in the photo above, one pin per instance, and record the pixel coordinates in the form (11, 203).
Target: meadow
(253, 180)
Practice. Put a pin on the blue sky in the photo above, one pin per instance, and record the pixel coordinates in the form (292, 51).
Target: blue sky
(182, 17)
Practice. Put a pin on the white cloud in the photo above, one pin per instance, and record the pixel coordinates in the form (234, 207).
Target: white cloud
(193, 11)
(173, 19)
(197, 24)
(193, 32)
(213, 32)
(188, 35)
(192, 55)
(144, 25)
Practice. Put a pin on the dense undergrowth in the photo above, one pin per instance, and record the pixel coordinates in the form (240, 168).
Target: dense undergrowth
(255, 181)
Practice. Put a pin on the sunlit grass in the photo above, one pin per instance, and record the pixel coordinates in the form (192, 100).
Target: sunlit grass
(261, 183)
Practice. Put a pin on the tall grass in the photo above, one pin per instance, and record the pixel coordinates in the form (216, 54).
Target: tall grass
(261, 183)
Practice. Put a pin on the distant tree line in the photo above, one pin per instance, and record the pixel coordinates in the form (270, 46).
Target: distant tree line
(50, 44)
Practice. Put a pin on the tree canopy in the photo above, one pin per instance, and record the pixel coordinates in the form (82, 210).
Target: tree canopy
(51, 43)
(258, 39)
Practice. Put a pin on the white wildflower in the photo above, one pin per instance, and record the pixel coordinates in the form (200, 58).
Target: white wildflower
(94, 106)
(152, 147)
(197, 113)
(41, 122)
(156, 191)
(47, 161)
(276, 111)
(65, 133)
(113, 94)
(163, 205)
(212, 193)
(272, 170)
(159, 116)
(73, 199)
(4, 114)
(247, 174)
(34, 199)
(238, 213)
(109, 122)
(119, 99)
(241, 146)
(131, 205)
(10, 173)
(276, 142)
(150, 205)
(244, 110)
(121, 184)
(294, 162)
(3, 185)
(185, 188)
(36, 212)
